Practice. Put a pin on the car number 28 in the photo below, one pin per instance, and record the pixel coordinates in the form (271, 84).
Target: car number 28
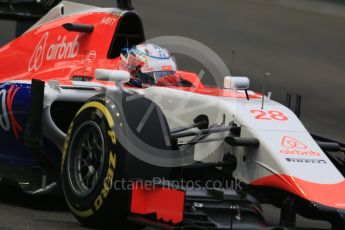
(269, 115)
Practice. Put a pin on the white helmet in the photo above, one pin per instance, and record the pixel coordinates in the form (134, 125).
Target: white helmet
(148, 62)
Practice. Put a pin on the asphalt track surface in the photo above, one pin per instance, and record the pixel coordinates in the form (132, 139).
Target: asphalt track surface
(301, 42)
(19, 211)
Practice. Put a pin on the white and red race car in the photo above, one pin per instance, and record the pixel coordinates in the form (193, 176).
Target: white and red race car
(68, 118)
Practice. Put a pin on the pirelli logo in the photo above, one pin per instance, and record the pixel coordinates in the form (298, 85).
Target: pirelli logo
(309, 161)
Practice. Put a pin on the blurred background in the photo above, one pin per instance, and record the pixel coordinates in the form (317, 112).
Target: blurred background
(300, 42)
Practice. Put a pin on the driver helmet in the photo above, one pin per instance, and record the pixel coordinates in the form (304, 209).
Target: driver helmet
(147, 64)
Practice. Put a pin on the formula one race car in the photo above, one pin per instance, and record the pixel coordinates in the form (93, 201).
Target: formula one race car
(87, 106)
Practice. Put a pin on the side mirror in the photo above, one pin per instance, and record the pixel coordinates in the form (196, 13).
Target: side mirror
(240, 83)
(118, 76)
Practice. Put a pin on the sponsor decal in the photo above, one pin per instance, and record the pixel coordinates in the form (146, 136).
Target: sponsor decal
(109, 21)
(166, 67)
(91, 56)
(107, 184)
(312, 161)
(293, 146)
(7, 120)
(61, 49)
(292, 143)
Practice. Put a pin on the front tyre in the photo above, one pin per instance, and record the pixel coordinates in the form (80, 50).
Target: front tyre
(90, 165)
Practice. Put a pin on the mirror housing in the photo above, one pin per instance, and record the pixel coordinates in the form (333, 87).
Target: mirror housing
(118, 76)
(236, 83)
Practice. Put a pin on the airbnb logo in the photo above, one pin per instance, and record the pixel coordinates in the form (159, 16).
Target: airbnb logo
(62, 49)
(292, 143)
(36, 59)
(296, 147)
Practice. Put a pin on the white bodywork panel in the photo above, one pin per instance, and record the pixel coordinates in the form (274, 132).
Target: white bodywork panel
(286, 147)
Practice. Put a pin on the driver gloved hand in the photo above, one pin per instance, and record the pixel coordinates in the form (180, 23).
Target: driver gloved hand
(135, 82)
(170, 80)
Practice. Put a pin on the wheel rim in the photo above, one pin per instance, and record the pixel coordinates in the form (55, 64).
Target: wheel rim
(86, 158)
